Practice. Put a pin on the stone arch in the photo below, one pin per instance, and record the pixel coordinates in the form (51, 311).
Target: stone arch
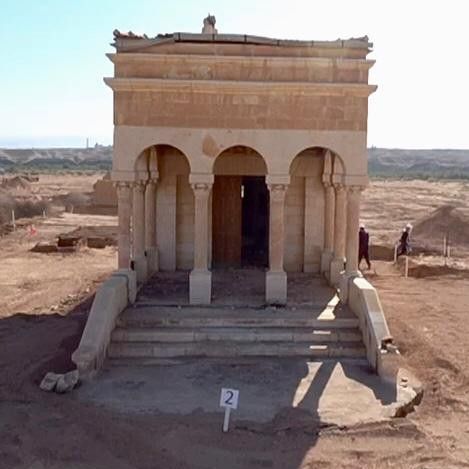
(152, 157)
(305, 207)
(174, 203)
(240, 160)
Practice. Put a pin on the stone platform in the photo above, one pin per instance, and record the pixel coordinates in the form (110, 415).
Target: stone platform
(341, 392)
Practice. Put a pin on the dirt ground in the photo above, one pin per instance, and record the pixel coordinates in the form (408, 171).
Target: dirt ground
(41, 326)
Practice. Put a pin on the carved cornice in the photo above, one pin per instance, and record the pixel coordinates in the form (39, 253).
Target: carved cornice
(245, 87)
(201, 59)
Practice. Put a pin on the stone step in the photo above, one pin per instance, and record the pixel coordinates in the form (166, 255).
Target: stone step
(194, 319)
(236, 334)
(233, 349)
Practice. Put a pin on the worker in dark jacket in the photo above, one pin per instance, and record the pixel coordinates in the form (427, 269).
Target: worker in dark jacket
(363, 246)
(404, 241)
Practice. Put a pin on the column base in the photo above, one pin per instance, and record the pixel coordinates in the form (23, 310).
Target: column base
(152, 260)
(344, 282)
(276, 288)
(326, 258)
(131, 276)
(141, 267)
(200, 287)
(337, 266)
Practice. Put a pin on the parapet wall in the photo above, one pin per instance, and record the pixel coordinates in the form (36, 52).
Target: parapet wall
(111, 299)
(382, 355)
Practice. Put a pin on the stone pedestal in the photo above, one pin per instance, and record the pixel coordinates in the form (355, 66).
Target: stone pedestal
(141, 268)
(336, 268)
(200, 287)
(276, 288)
(326, 258)
(152, 259)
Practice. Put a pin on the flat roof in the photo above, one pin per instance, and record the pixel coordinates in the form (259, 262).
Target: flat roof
(127, 41)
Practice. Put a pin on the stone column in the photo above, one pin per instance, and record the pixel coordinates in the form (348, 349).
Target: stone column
(337, 263)
(353, 225)
(140, 262)
(124, 206)
(200, 280)
(151, 245)
(276, 277)
(329, 212)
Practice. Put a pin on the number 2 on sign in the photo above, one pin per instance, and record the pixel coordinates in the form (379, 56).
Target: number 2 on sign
(229, 398)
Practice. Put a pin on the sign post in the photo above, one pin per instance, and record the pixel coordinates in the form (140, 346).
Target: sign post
(228, 400)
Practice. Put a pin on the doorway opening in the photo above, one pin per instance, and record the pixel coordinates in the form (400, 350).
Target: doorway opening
(240, 223)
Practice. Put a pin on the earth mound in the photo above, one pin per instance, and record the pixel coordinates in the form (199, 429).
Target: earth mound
(447, 220)
(16, 183)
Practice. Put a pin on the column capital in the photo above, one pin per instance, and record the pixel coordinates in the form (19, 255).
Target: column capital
(277, 191)
(201, 178)
(339, 187)
(354, 189)
(154, 176)
(139, 186)
(201, 187)
(327, 182)
(122, 185)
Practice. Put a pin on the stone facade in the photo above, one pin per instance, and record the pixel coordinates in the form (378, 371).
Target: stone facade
(278, 126)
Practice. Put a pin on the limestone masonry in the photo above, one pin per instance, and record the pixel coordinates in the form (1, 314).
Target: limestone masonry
(239, 151)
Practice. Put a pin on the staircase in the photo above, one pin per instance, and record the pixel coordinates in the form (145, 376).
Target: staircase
(155, 332)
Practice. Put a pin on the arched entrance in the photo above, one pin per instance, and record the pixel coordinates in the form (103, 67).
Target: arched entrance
(240, 210)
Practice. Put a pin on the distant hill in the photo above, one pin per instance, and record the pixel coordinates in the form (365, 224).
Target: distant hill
(382, 162)
(418, 164)
(50, 159)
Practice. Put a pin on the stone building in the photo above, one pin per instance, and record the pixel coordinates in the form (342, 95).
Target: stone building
(237, 150)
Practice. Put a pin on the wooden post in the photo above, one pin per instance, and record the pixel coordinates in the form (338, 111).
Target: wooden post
(406, 266)
(13, 222)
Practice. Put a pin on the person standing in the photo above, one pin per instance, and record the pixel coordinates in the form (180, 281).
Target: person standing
(363, 246)
(404, 246)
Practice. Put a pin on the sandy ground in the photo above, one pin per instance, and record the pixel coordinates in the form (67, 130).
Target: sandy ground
(427, 315)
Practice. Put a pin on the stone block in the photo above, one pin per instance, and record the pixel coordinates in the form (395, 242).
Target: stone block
(49, 381)
(276, 288)
(200, 287)
(67, 382)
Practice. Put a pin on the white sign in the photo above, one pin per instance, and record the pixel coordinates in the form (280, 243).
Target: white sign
(229, 398)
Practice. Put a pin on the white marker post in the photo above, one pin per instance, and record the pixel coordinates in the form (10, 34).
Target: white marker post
(395, 253)
(228, 400)
(13, 221)
(406, 266)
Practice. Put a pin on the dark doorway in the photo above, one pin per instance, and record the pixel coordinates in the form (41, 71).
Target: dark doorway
(255, 224)
(240, 221)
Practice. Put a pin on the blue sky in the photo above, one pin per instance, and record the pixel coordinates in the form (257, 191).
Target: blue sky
(53, 60)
